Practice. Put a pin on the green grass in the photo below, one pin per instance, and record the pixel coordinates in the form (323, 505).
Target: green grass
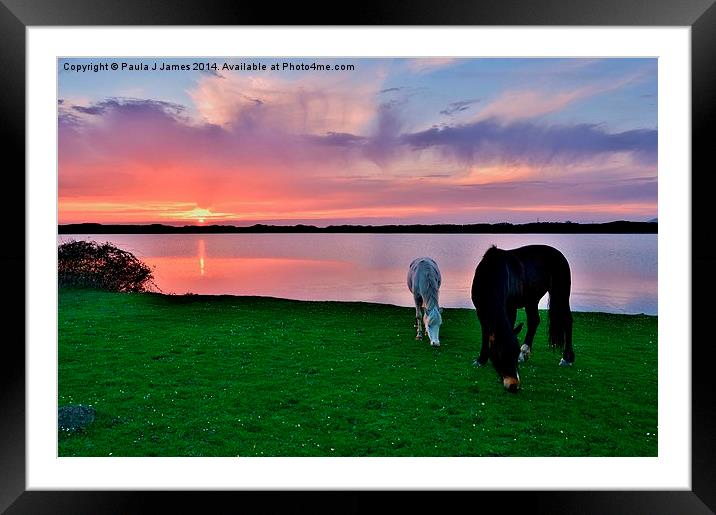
(250, 376)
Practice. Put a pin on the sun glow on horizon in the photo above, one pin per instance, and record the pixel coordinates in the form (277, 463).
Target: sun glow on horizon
(384, 212)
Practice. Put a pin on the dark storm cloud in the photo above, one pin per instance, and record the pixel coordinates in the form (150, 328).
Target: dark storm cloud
(388, 90)
(95, 109)
(456, 107)
(384, 143)
(131, 106)
(339, 139)
(489, 140)
(214, 73)
(68, 121)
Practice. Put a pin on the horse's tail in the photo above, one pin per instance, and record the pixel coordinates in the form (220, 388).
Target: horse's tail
(560, 314)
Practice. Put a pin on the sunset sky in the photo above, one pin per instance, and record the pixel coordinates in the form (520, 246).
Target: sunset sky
(430, 140)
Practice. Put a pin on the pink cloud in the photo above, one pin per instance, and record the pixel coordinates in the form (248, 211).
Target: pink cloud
(308, 105)
(429, 64)
(524, 104)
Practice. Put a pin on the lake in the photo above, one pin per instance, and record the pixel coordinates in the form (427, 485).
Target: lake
(614, 273)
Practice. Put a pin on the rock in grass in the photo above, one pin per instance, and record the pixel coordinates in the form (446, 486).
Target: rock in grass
(75, 418)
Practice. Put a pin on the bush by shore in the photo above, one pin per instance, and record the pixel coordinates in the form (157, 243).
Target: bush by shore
(88, 264)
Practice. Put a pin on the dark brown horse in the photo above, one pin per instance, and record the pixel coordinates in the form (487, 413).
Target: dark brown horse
(506, 280)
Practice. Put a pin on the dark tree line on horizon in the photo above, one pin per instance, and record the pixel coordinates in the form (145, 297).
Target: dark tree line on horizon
(616, 227)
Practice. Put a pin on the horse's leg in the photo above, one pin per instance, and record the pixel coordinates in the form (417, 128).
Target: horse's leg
(568, 354)
(512, 316)
(532, 324)
(561, 327)
(484, 348)
(418, 318)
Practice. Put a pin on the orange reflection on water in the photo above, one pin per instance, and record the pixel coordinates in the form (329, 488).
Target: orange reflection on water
(273, 277)
(202, 253)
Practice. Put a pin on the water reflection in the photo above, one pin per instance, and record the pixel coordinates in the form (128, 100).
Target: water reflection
(202, 252)
(612, 273)
(274, 277)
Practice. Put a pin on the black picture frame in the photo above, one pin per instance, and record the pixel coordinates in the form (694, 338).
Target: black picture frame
(699, 15)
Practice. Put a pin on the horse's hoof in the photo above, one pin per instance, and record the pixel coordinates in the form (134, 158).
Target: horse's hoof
(477, 363)
(419, 337)
(564, 363)
(524, 353)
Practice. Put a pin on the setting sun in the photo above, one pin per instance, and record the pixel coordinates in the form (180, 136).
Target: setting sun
(195, 214)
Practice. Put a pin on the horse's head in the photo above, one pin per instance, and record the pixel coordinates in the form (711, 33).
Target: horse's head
(432, 320)
(498, 277)
(504, 354)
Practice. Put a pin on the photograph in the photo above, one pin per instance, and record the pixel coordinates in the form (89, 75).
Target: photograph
(357, 256)
(285, 257)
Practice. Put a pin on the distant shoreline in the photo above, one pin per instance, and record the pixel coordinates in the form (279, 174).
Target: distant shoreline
(616, 227)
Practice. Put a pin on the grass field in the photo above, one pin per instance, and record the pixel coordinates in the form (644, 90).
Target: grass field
(251, 376)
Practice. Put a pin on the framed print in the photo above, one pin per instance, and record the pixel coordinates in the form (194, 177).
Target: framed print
(264, 192)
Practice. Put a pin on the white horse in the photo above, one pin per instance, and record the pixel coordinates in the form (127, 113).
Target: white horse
(424, 284)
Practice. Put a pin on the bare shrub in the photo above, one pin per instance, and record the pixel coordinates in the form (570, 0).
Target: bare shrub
(88, 264)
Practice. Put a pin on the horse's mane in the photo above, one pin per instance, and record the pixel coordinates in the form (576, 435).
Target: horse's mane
(498, 262)
(431, 300)
(492, 251)
(424, 282)
(500, 272)
(496, 257)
